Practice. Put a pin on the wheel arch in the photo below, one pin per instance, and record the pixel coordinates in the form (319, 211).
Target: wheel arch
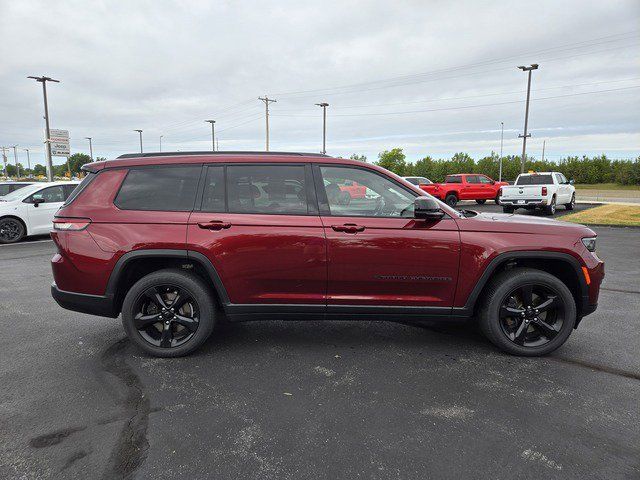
(562, 265)
(132, 266)
(21, 220)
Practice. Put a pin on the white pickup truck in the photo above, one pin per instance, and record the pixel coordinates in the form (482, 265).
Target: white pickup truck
(543, 190)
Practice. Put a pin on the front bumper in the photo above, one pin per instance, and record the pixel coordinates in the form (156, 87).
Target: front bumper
(84, 303)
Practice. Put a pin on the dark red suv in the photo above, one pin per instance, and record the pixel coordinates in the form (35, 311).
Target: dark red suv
(175, 241)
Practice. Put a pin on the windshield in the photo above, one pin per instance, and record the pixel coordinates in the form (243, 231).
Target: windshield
(534, 180)
(22, 192)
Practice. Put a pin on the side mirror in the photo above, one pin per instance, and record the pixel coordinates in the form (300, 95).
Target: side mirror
(493, 182)
(571, 182)
(427, 208)
(37, 200)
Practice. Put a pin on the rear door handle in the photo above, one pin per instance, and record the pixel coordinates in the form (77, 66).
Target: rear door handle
(348, 228)
(214, 225)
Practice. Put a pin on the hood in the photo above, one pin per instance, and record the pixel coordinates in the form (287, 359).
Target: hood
(509, 222)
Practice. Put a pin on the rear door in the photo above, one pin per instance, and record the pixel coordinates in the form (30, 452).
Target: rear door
(258, 225)
(378, 254)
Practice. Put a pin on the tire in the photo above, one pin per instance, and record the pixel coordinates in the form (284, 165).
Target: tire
(196, 309)
(551, 209)
(571, 205)
(507, 209)
(12, 230)
(481, 202)
(451, 200)
(532, 339)
(497, 199)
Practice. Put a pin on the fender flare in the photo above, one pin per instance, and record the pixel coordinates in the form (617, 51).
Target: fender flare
(197, 257)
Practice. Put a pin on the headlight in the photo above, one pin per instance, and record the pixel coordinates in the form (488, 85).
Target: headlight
(590, 243)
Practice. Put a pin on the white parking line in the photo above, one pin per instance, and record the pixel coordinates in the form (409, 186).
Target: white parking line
(25, 243)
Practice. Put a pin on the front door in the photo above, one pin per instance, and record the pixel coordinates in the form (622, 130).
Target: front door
(378, 254)
(42, 206)
(262, 233)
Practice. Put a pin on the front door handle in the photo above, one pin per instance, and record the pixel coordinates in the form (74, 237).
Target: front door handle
(348, 228)
(214, 225)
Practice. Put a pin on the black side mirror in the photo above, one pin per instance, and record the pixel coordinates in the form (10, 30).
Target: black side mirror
(493, 182)
(37, 200)
(427, 208)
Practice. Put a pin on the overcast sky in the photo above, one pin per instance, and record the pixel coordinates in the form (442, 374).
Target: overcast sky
(432, 77)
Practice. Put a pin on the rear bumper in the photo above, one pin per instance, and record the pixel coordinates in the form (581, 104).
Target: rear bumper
(84, 303)
(523, 202)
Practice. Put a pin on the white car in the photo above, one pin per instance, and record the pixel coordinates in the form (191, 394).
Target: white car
(30, 210)
(543, 190)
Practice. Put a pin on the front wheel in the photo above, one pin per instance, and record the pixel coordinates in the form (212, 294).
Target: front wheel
(11, 230)
(451, 200)
(168, 313)
(481, 202)
(527, 312)
(571, 205)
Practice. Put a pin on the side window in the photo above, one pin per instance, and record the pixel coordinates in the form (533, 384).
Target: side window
(159, 188)
(381, 196)
(473, 179)
(484, 179)
(278, 189)
(68, 190)
(49, 195)
(559, 179)
(453, 179)
(213, 197)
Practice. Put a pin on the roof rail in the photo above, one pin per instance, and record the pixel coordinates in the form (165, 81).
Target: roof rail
(234, 152)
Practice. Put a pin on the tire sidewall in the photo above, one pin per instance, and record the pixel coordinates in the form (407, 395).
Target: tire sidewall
(20, 226)
(451, 200)
(490, 320)
(196, 289)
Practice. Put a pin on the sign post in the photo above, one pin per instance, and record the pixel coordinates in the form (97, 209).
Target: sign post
(59, 143)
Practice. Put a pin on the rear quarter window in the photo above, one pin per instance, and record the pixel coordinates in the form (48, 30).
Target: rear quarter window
(159, 188)
(79, 188)
(453, 179)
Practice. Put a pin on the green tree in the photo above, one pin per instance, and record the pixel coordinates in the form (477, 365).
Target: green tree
(394, 160)
(39, 170)
(76, 161)
(360, 158)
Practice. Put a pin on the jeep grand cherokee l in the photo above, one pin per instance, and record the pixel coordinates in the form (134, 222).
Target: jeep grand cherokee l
(173, 242)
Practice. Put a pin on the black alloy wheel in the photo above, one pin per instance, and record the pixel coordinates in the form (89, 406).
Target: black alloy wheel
(531, 315)
(572, 204)
(481, 202)
(11, 230)
(167, 316)
(451, 200)
(169, 313)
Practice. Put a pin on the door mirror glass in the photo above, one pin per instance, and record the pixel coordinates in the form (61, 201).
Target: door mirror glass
(37, 199)
(427, 208)
(571, 182)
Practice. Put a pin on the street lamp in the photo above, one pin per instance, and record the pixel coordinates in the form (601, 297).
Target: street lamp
(213, 134)
(44, 81)
(90, 148)
(28, 159)
(324, 106)
(140, 132)
(161, 143)
(533, 66)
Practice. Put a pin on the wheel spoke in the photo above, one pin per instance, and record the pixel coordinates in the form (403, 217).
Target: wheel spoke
(155, 297)
(165, 341)
(549, 304)
(143, 321)
(527, 295)
(518, 336)
(179, 301)
(189, 323)
(547, 330)
(506, 311)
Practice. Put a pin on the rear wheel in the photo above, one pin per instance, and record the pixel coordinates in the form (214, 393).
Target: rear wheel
(168, 313)
(481, 202)
(572, 203)
(527, 312)
(11, 230)
(451, 200)
(551, 209)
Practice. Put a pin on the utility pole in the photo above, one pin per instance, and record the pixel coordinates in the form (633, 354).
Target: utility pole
(4, 159)
(161, 143)
(267, 101)
(544, 142)
(15, 157)
(44, 81)
(28, 159)
(533, 66)
(140, 132)
(90, 148)
(501, 144)
(213, 134)
(324, 106)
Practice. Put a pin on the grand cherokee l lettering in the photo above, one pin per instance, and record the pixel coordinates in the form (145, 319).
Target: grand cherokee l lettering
(173, 242)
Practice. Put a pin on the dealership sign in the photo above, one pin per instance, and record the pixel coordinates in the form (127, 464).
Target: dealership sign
(59, 140)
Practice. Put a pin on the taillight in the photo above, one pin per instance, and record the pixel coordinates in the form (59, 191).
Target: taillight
(544, 191)
(69, 225)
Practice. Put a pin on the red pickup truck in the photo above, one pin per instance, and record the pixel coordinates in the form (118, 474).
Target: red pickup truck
(465, 186)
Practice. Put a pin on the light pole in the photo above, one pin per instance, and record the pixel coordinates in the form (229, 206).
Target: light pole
(140, 132)
(15, 157)
(533, 66)
(44, 81)
(324, 106)
(213, 134)
(28, 158)
(501, 143)
(90, 148)
(4, 159)
(161, 143)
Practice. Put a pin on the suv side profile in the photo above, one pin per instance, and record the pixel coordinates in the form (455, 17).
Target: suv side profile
(174, 242)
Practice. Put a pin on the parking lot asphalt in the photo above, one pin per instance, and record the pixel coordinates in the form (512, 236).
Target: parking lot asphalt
(316, 399)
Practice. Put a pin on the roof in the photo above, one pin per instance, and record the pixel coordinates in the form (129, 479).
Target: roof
(207, 153)
(11, 182)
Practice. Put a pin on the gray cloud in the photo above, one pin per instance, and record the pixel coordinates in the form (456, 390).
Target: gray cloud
(431, 77)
